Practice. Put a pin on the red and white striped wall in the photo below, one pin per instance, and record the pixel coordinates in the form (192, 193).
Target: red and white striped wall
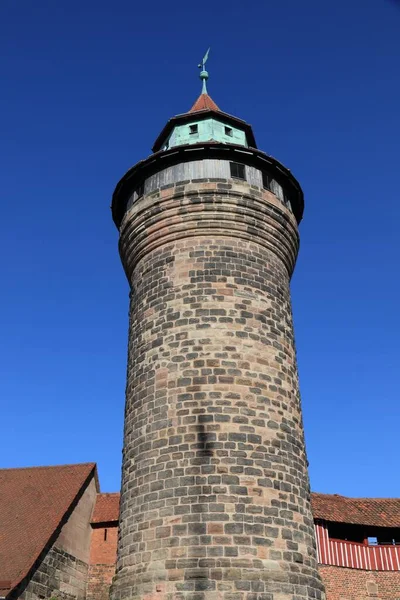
(341, 553)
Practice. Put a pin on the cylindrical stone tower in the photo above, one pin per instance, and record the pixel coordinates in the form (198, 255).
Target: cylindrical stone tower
(215, 501)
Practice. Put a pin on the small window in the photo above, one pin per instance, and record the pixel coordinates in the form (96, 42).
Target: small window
(286, 199)
(193, 129)
(238, 171)
(373, 541)
(105, 535)
(228, 131)
(266, 179)
(140, 190)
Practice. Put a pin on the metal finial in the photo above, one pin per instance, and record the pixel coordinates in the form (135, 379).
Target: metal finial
(203, 72)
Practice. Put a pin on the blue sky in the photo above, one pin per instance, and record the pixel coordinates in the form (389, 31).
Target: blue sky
(86, 88)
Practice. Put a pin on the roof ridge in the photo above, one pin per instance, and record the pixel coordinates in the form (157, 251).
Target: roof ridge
(86, 464)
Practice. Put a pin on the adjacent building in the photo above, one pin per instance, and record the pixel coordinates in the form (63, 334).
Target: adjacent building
(58, 538)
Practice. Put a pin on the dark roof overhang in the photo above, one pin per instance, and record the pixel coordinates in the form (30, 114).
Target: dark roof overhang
(179, 154)
(200, 115)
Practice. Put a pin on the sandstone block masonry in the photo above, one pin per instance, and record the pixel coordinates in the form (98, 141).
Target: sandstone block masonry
(58, 575)
(215, 498)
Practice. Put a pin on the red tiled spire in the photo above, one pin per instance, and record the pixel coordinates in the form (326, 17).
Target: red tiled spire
(204, 102)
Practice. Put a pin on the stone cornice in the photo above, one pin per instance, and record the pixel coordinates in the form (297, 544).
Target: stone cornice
(208, 210)
(156, 162)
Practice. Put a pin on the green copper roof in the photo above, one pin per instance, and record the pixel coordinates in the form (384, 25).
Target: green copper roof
(205, 130)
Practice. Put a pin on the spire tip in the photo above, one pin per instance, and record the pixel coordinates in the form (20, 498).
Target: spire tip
(203, 72)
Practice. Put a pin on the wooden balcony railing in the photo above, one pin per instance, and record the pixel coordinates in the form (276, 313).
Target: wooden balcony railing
(341, 553)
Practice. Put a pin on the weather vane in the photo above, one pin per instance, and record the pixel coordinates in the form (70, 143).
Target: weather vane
(203, 72)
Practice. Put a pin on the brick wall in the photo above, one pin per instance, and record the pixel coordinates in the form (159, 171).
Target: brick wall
(103, 548)
(99, 582)
(215, 493)
(354, 584)
(103, 555)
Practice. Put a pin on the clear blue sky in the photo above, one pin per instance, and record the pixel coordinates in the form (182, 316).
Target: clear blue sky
(86, 88)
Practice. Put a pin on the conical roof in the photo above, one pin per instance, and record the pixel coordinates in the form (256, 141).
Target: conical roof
(204, 102)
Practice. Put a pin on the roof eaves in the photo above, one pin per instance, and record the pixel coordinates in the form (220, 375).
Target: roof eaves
(177, 154)
(370, 512)
(5, 588)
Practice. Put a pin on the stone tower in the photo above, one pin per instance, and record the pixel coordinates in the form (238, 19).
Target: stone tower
(215, 498)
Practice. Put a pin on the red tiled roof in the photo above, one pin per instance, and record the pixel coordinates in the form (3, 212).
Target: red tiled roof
(106, 508)
(377, 512)
(204, 102)
(33, 502)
